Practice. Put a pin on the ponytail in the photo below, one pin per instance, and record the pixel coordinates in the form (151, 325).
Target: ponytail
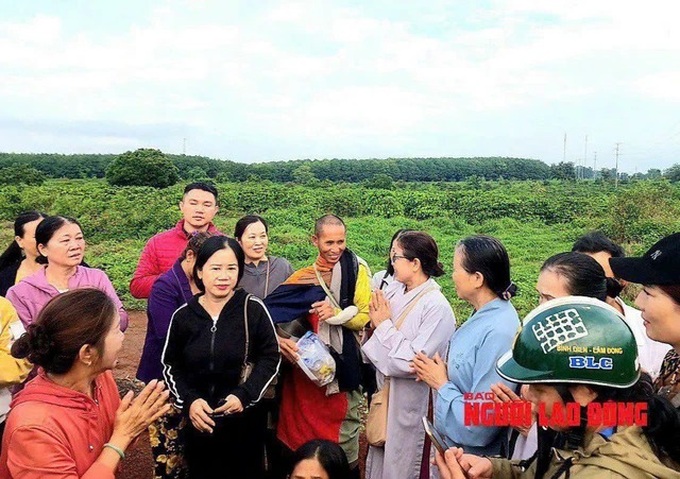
(614, 287)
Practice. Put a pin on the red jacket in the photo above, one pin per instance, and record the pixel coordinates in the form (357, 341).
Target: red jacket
(158, 256)
(54, 432)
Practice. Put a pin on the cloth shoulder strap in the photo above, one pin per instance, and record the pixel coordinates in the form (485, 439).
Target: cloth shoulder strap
(411, 304)
(409, 307)
(328, 292)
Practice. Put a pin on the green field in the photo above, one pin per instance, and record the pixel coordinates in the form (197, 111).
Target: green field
(534, 219)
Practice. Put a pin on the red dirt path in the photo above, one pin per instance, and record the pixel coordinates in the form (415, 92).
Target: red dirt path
(138, 462)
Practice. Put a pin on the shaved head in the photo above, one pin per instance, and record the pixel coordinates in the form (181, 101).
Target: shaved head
(327, 220)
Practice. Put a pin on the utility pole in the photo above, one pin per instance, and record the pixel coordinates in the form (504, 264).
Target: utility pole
(184, 146)
(616, 181)
(564, 154)
(585, 158)
(595, 164)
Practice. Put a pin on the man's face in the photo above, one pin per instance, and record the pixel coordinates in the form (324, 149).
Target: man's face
(198, 208)
(330, 242)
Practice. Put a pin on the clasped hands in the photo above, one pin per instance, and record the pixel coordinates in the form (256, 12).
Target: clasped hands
(432, 371)
(201, 414)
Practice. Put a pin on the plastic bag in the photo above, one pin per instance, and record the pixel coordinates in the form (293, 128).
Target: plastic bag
(315, 359)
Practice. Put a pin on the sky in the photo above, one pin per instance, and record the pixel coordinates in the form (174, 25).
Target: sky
(279, 80)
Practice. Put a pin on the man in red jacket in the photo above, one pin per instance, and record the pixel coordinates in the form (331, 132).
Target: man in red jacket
(198, 207)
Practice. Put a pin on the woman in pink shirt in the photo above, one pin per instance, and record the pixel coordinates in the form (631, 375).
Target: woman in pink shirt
(61, 246)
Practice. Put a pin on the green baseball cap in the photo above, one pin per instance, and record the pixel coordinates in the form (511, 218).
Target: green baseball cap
(576, 340)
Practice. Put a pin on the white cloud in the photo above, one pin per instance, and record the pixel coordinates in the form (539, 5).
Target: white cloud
(306, 70)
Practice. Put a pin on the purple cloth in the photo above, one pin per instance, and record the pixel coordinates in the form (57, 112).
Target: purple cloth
(170, 291)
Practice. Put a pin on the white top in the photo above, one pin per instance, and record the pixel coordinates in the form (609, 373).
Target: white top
(650, 352)
(379, 277)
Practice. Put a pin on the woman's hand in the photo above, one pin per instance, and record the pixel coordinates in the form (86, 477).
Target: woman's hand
(378, 308)
(199, 413)
(430, 371)
(448, 465)
(135, 415)
(231, 405)
(457, 465)
(504, 394)
(289, 349)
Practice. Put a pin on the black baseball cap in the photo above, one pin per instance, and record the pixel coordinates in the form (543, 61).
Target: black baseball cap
(659, 265)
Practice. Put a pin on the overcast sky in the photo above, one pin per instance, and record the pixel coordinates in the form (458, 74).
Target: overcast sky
(265, 80)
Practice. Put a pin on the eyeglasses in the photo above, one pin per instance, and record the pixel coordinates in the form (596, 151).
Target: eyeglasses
(395, 257)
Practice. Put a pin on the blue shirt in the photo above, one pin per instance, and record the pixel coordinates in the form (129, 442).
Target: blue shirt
(473, 351)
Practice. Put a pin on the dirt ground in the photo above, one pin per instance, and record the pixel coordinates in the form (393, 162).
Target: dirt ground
(138, 462)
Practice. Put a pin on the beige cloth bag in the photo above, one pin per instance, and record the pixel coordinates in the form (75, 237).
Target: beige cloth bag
(376, 422)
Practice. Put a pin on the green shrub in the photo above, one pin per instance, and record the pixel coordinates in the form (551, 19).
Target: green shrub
(142, 167)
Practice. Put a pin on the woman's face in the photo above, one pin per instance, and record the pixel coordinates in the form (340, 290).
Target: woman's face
(309, 469)
(551, 285)
(661, 315)
(542, 394)
(403, 267)
(66, 247)
(465, 283)
(27, 241)
(549, 400)
(220, 274)
(254, 241)
(113, 343)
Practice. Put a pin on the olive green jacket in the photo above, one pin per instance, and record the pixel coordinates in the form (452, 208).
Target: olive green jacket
(626, 454)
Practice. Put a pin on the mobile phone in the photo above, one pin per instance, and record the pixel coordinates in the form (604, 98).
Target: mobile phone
(434, 436)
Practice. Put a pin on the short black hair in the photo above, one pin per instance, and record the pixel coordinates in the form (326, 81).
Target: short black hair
(201, 185)
(211, 246)
(246, 221)
(596, 242)
(329, 454)
(327, 220)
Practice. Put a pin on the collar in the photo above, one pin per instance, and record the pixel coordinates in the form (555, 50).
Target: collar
(323, 265)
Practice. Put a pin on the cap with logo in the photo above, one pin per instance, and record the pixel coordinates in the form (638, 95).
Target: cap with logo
(573, 340)
(659, 265)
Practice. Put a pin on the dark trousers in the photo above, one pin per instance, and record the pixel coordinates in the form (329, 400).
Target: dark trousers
(234, 450)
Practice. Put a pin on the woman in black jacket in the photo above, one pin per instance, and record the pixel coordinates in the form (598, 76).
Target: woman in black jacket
(211, 375)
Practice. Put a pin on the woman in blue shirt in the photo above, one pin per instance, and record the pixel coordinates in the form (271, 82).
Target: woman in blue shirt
(482, 278)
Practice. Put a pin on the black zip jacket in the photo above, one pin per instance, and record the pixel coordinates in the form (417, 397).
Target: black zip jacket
(202, 358)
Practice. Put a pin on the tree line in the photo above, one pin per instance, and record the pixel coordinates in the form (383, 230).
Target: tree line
(132, 167)
(300, 171)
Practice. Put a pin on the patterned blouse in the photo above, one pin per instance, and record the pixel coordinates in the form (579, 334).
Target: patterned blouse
(668, 382)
